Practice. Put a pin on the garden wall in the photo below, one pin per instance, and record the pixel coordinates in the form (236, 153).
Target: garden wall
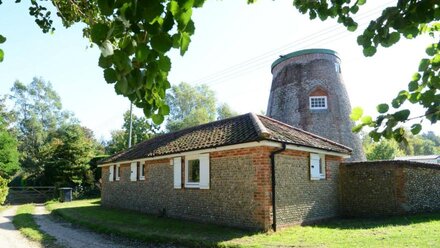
(381, 188)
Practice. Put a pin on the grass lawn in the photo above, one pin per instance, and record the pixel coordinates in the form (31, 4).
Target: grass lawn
(24, 222)
(410, 231)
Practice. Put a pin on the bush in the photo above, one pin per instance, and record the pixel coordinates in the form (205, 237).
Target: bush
(3, 190)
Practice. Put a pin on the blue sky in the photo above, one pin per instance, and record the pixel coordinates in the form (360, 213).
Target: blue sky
(232, 51)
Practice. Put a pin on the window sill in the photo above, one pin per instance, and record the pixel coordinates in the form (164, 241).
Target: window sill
(142, 179)
(317, 178)
(192, 185)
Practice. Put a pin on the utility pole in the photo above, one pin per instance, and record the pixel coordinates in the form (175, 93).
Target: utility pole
(131, 125)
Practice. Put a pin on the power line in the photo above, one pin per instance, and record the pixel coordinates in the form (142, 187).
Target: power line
(256, 62)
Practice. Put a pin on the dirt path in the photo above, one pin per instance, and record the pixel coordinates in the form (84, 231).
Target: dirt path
(9, 236)
(70, 236)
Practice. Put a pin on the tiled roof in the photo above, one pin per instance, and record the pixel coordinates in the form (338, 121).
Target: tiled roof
(236, 130)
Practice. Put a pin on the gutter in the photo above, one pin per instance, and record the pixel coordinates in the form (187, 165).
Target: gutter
(272, 162)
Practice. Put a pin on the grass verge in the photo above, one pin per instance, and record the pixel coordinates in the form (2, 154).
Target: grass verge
(25, 223)
(143, 227)
(404, 231)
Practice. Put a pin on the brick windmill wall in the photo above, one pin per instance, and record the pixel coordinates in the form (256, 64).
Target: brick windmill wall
(308, 92)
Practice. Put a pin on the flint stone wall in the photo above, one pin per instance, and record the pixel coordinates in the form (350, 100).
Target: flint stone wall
(383, 188)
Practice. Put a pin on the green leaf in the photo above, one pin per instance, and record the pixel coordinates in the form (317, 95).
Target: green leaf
(382, 108)
(142, 53)
(431, 50)
(416, 77)
(369, 51)
(357, 128)
(356, 113)
(105, 62)
(161, 42)
(121, 86)
(164, 63)
(2, 54)
(98, 32)
(164, 109)
(184, 43)
(106, 6)
(394, 38)
(436, 60)
(352, 27)
(2, 39)
(354, 9)
(424, 63)
(361, 2)
(367, 120)
(110, 75)
(402, 115)
(198, 3)
(412, 86)
(416, 128)
(375, 135)
(157, 119)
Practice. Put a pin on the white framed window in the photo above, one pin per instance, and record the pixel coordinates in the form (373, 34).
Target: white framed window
(117, 172)
(318, 102)
(317, 166)
(141, 171)
(197, 171)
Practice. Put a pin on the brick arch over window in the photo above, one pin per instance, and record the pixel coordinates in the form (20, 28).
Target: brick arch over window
(318, 99)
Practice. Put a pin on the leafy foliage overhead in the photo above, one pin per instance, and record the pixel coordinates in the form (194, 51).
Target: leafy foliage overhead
(135, 37)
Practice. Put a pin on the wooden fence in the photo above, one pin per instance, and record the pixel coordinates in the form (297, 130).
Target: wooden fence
(31, 194)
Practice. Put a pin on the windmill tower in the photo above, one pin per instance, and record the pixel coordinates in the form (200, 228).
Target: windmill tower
(308, 92)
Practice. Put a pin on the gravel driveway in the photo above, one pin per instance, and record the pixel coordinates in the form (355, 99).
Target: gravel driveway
(70, 236)
(9, 236)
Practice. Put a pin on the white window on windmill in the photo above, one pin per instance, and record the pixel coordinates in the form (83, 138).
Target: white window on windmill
(318, 102)
(338, 67)
(318, 99)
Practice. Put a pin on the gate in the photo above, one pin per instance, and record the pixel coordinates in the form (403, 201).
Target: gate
(30, 194)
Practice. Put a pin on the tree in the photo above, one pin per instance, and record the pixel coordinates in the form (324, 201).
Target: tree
(142, 129)
(37, 111)
(383, 150)
(8, 152)
(69, 150)
(433, 137)
(190, 106)
(134, 38)
(225, 111)
(194, 105)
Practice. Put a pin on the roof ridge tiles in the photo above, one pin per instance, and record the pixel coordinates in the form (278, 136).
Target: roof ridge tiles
(259, 127)
(306, 132)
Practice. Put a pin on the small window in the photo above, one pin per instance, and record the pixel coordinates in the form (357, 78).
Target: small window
(194, 171)
(142, 171)
(338, 67)
(117, 172)
(197, 171)
(317, 166)
(318, 102)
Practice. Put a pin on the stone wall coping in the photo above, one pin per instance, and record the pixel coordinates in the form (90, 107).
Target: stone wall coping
(397, 163)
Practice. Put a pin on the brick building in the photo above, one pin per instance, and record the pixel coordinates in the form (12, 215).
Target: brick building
(231, 172)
